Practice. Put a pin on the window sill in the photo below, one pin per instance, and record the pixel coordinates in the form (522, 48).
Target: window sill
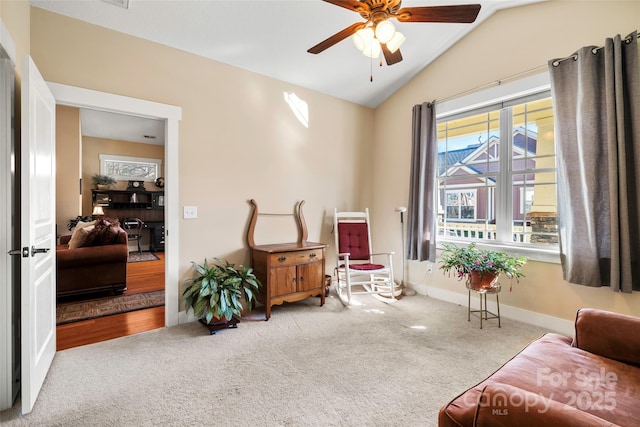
(533, 253)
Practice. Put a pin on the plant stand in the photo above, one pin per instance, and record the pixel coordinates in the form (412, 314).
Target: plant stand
(484, 313)
(213, 327)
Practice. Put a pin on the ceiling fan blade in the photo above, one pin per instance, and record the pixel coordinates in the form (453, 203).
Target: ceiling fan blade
(337, 37)
(391, 57)
(354, 5)
(464, 13)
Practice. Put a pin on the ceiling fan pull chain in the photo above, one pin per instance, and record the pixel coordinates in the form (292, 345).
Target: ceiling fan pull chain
(371, 70)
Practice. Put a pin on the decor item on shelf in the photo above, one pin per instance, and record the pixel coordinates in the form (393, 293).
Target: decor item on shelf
(480, 267)
(378, 34)
(217, 292)
(136, 186)
(102, 182)
(159, 182)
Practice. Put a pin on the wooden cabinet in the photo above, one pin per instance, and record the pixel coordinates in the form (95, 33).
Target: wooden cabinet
(289, 272)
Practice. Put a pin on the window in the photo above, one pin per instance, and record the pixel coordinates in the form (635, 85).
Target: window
(461, 205)
(496, 173)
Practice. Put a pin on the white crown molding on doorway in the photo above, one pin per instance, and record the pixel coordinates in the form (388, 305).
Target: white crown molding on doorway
(171, 114)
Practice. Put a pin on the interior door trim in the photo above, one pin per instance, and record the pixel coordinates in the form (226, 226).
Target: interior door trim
(86, 98)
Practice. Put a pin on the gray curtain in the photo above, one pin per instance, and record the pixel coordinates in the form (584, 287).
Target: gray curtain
(422, 210)
(596, 95)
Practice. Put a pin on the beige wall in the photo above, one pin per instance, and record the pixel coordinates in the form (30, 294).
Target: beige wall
(16, 16)
(68, 166)
(238, 138)
(510, 42)
(91, 150)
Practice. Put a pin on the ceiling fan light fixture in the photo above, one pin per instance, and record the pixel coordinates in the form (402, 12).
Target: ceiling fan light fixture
(372, 50)
(362, 38)
(385, 31)
(395, 43)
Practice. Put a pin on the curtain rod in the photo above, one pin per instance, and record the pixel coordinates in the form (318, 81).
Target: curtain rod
(594, 50)
(520, 74)
(493, 83)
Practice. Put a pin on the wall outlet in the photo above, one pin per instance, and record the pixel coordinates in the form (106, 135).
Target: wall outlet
(429, 267)
(190, 212)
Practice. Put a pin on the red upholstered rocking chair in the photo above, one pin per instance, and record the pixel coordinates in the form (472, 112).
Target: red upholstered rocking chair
(355, 260)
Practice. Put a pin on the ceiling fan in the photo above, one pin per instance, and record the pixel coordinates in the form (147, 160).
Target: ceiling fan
(378, 34)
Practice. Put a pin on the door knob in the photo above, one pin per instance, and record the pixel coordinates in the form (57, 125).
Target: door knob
(35, 250)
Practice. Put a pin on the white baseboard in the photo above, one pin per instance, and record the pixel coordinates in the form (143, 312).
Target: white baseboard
(555, 324)
(184, 317)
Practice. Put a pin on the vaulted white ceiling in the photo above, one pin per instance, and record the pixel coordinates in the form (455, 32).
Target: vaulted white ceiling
(271, 37)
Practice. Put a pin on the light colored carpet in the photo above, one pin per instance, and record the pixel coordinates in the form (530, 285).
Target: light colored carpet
(374, 364)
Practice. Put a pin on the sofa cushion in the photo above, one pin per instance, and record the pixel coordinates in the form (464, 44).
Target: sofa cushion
(502, 405)
(105, 233)
(79, 236)
(76, 238)
(611, 335)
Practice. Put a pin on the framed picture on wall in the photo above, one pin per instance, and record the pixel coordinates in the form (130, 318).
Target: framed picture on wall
(125, 168)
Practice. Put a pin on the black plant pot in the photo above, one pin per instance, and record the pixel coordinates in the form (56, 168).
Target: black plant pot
(218, 324)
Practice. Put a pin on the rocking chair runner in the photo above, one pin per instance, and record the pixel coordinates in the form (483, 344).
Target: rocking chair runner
(355, 266)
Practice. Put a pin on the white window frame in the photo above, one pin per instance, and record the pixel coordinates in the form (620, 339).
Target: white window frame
(495, 98)
(523, 198)
(459, 192)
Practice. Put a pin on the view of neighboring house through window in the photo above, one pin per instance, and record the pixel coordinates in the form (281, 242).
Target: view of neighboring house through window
(496, 174)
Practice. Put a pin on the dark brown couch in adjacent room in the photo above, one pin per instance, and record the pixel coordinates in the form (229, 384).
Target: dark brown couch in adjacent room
(91, 269)
(590, 380)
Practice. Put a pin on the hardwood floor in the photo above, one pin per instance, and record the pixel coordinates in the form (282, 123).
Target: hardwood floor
(141, 277)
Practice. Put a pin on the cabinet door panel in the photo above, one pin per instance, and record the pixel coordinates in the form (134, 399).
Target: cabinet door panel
(310, 276)
(282, 280)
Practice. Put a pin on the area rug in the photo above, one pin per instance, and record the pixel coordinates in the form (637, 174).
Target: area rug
(76, 311)
(141, 257)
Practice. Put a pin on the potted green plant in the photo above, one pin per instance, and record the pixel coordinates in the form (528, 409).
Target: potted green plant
(102, 182)
(480, 267)
(217, 292)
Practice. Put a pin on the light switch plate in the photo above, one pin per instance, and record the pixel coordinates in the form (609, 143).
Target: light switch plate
(190, 212)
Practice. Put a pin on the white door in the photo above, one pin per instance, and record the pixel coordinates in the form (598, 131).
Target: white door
(38, 233)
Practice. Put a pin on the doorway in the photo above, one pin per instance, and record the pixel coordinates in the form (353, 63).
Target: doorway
(170, 115)
(87, 140)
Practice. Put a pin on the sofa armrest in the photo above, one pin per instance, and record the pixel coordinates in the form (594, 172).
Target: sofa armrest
(506, 405)
(107, 254)
(608, 334)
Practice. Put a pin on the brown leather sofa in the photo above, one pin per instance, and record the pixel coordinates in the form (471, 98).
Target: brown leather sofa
(91, 269)
(590, 380)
